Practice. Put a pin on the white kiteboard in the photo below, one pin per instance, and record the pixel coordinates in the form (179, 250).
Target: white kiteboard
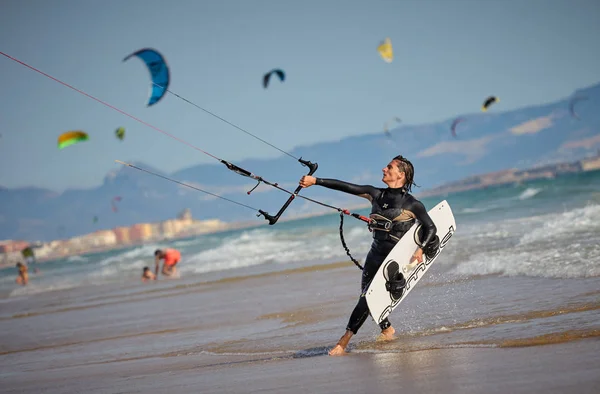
(381, 302)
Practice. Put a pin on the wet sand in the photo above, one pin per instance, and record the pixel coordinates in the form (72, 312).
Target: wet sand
(572, 367)
(270, 331)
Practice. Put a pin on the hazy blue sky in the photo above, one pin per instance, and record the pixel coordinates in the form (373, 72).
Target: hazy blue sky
(449, 55)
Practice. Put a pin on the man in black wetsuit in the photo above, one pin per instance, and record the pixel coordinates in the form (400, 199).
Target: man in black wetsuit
(393, 212)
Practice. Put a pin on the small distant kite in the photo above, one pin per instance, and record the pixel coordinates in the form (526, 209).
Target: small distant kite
(159, 72)
(572, 105)
(454, 124)
(386, 126)
(70, 138)
(280, 73)
(95, 219)
(120, 133)
(489, 101)
(113, 203)
(386, 51)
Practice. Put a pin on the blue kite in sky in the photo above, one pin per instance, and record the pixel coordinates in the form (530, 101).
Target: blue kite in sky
(159, 72)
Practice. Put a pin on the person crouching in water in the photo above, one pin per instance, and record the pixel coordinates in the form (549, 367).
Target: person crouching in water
(147, 275)
(171, 257)
(23, 277)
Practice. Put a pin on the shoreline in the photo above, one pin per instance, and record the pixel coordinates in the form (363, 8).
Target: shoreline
(483, 181)
(102, 249)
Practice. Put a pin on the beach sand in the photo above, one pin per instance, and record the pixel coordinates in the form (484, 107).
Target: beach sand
(561, 368)
(255, 331)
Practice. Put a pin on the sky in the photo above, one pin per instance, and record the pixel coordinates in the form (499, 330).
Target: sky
(448, 57)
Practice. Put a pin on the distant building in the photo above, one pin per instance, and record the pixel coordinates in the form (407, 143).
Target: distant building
(76, 242)
(185, 215)
(140, 232)
(11, 246)
(83, 242)
(156, 230)
(591, 164)
(122, 234)
(103, 238)
(171, 228)
(47, 249)
(207, 226)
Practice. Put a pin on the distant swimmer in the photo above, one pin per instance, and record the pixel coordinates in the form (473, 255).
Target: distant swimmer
(23, 277)
(147, 275)
(171, 257)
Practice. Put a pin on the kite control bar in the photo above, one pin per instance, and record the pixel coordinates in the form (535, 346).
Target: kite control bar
(273, 219)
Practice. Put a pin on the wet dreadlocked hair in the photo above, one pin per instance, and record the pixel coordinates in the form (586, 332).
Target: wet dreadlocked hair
(409, 170)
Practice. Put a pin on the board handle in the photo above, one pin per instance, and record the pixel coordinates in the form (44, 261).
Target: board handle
(407, 268)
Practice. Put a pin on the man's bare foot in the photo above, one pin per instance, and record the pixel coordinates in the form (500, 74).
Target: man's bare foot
(340, 348)
(337, 350)
(387, 334)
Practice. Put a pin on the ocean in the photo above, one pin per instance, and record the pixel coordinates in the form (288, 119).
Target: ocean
(522, 271)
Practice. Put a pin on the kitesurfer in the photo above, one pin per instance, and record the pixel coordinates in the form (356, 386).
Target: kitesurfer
(171, 257)
(393, 211)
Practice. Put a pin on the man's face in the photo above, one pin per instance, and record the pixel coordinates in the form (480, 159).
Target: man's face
(392, 173)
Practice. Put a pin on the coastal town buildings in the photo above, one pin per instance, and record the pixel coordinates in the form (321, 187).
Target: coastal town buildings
(591, 164)
(141, 232)
(515, 176)
(183, 225)
(12, 246)
(121, 235)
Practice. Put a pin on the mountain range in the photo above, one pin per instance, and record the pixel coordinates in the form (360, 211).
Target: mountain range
(485, 142)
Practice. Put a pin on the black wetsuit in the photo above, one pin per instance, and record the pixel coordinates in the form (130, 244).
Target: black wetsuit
(397, 206)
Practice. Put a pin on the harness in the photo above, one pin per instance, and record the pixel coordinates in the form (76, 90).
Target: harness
(384, 229)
